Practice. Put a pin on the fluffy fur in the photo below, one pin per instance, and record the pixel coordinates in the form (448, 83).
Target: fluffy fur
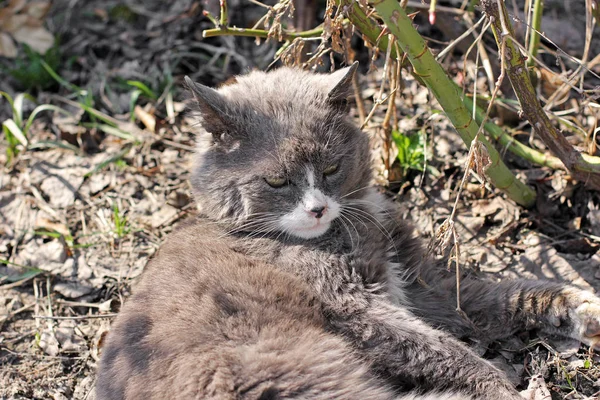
(263, 297)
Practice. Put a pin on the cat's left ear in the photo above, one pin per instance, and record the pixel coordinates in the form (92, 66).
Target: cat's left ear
(213, 109)
(341, 84)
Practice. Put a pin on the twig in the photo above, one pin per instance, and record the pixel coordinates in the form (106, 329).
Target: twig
(13, 313)
(17, 283)
(223, 17)
(386, 127)
(78, 317)
(260, 33)
(360, 103)
(473, 150)
(456, 41)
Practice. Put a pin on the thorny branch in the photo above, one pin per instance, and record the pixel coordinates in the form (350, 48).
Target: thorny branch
(582, 166)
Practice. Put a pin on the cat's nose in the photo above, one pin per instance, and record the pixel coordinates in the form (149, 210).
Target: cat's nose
(317, 211)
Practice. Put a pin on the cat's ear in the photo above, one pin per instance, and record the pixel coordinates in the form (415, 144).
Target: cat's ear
(213, 108)
(341, 84)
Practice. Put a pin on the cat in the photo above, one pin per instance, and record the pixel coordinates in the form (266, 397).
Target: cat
(300, 280)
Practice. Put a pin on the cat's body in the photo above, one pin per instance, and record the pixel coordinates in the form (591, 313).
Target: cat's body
(299, 280)
(207, 323)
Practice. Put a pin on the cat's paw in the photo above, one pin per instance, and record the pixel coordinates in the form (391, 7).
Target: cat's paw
(583, 317)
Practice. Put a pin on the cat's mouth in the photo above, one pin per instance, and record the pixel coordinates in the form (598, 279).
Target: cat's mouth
(310, 232)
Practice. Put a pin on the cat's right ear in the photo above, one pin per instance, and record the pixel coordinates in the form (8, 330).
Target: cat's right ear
(213, 109)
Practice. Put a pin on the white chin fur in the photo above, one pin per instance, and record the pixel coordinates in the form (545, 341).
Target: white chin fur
(300, 223)
(309, 233)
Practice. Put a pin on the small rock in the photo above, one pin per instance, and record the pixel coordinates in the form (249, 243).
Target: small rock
(105, 306)
(49, 256)
(61, 193)
(97, 182)
(169, 156)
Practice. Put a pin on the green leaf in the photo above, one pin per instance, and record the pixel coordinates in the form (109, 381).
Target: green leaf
(111, 130)
(15, 131)
(54, 144)
(58, 79)
(30, 272)
(145, 89)
(39, 109)
(134, 98)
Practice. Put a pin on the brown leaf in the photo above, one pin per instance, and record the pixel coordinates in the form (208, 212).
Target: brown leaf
(14, 23)
(16, 5)
(37, 9)
(537, 389)
(38, 38)
(7, 46)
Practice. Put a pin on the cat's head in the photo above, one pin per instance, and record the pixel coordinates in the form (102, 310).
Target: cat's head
(277, 152)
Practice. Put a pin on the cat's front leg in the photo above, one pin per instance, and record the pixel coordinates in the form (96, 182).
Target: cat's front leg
(406, 350)
(496, 310)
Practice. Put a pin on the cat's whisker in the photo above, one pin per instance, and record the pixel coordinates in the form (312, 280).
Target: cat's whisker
(348, 215)
(365, 214)
(247, 225)
(343, 218)
(356, 190)
(225, 220)
(268, 229)
(254, 225)
(370, 203)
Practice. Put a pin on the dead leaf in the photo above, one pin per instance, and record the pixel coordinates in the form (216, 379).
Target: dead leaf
(147, 119)
(537, 389)
(38, 38)
(24, 22)
(68, 338)
(72, 290)
(43, 223)
(61, 194)
(16, 5)
(7, 46)
(37, 9)
(13, 23)
(48, 256)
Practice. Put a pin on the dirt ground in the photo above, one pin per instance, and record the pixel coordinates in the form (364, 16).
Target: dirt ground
(95, 194)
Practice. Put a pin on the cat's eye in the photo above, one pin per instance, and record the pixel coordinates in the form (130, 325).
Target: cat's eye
(332, 169)
(277, 182)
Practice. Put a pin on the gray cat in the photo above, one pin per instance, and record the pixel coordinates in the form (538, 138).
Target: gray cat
(299, 280)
